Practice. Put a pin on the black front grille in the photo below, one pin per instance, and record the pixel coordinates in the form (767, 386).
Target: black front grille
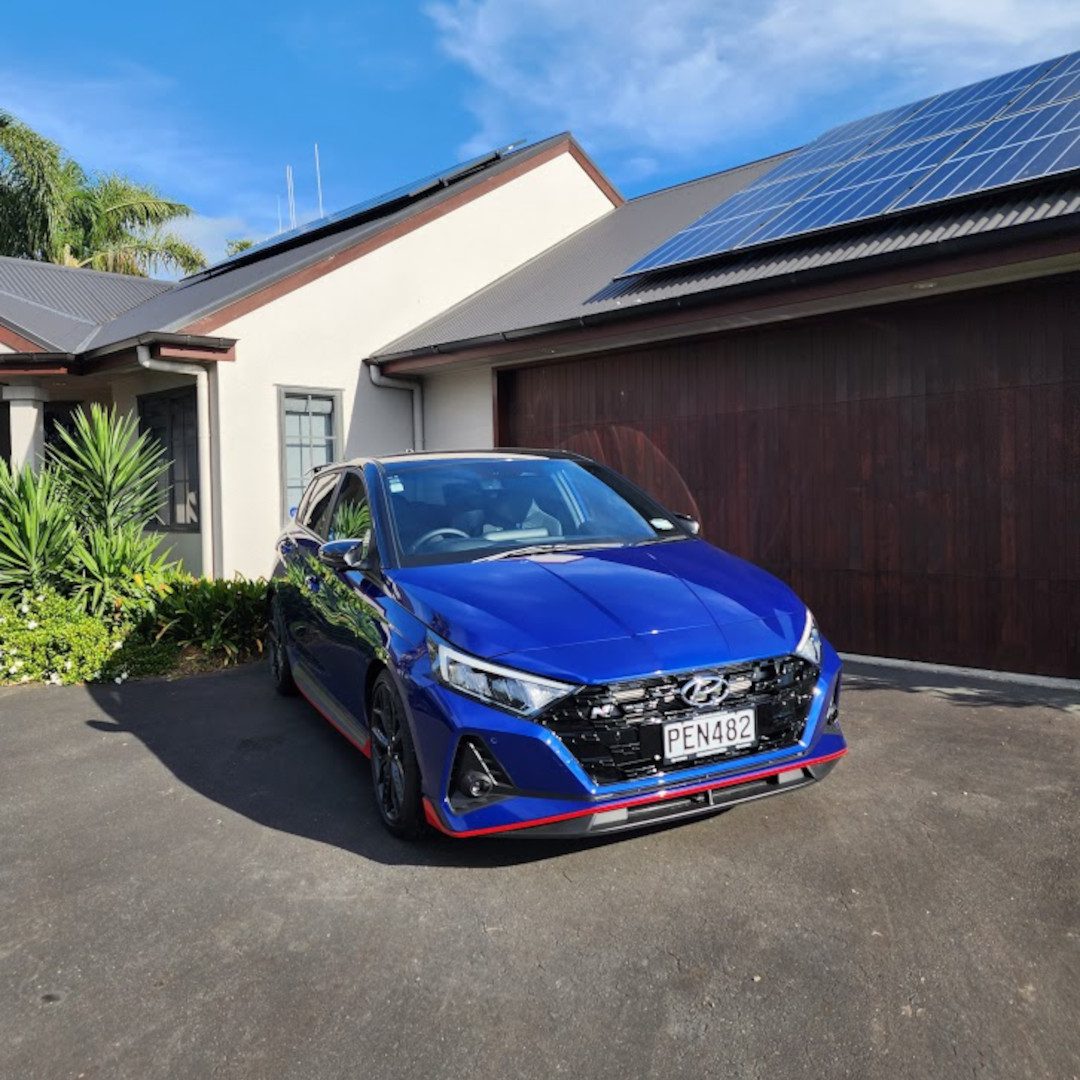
(615, 731)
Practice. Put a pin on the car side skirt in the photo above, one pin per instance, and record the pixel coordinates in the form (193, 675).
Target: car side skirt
(670, 804)
(329, 709)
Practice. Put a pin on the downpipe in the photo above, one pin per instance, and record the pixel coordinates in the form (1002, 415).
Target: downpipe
(415, 387)
(202, 424)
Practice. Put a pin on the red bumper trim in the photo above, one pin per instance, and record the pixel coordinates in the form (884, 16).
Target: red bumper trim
(434, 820)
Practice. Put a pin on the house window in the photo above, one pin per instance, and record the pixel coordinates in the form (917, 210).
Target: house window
(59, 414)
(309, 439)
(170, 417)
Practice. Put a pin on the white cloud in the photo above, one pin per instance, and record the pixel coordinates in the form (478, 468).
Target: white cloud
(680, 77)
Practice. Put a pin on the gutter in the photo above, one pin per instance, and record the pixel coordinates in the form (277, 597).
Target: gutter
(841, 272)
(158, 337)
(415, 387)
(202, 411)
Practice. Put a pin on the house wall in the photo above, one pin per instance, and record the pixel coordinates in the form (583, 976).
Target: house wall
(458, 411)
(317, 336)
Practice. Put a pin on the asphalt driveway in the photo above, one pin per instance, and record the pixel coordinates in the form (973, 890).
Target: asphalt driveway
(192, 884)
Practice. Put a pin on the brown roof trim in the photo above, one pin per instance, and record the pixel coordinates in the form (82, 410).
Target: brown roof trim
(307, 274)
(14, 340)
(781, 298)
(191, 352)
(59, 369)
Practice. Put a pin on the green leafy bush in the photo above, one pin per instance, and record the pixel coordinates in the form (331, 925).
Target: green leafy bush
(112, 472)
(48, 638)
(118, 574)
(37, 531)
(224, 619)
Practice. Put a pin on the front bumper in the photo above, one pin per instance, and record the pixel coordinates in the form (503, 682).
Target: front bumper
(554, 797)
(672, 804)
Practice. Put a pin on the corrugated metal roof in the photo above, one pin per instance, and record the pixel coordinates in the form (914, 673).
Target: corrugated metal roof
(61, 306)
(554, 285)
(206, 293)
(70, 310)
(574, 280)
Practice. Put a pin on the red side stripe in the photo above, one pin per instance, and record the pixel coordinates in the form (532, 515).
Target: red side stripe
(364, 747)
(433, 819)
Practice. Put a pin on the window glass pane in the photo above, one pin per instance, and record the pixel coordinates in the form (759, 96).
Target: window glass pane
(308, 430)
(170, 418)
(352, 515)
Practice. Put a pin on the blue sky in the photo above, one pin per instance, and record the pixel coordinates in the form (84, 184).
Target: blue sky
(211, 101)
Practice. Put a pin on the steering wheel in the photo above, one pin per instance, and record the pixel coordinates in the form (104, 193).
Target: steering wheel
(435, 534)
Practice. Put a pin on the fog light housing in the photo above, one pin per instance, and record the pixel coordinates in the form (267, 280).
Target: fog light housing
(477, 778)
(832, 717)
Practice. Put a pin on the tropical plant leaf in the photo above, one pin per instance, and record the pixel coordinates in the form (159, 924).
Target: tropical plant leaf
(111, 471)
(37, 532)
(119, 572)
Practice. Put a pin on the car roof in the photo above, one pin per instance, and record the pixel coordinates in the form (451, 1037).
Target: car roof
(498, 454)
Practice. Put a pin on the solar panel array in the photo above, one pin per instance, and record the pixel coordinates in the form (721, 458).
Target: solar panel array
(373, 207)
(1015, 127)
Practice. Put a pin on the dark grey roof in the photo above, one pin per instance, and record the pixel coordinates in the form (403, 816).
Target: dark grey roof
(573, 281)
(70, 310)
(60, 307)
(204, 293)
(554, 286)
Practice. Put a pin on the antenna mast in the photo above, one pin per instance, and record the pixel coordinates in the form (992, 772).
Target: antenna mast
(318, 180)
(291, 195)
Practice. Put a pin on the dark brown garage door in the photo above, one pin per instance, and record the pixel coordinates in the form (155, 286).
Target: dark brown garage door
(912, 470)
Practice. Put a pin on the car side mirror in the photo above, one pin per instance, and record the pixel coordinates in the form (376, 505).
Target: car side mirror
(347, 554)
(690, 523)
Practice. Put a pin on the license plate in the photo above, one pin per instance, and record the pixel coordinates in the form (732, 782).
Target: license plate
(709, 734)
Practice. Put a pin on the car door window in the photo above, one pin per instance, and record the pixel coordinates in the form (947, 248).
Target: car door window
(352, 512)
(315, 513)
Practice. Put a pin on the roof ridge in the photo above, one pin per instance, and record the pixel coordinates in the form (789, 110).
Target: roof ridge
(51, 266)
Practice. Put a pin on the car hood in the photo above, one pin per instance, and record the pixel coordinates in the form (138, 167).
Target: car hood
(608, 614)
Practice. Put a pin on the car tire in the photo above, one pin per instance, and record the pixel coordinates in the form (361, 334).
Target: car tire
(280, 668)
(395, 771)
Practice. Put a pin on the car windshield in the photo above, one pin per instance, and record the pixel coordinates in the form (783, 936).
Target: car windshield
(459, 510)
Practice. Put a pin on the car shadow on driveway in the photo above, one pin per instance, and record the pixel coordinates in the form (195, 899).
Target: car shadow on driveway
(232, 739)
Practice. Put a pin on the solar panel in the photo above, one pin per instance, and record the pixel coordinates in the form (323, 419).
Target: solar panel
(1014, 127)
(382, 203)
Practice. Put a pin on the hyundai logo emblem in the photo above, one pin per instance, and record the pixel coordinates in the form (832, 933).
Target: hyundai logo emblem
(704, 690)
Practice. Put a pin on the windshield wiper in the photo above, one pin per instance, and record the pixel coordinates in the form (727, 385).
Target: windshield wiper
(546, 549)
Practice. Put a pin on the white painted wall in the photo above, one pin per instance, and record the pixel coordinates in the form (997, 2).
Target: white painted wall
(318, 335)
(458, 410)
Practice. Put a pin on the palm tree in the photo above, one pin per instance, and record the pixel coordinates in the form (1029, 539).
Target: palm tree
(51, 210)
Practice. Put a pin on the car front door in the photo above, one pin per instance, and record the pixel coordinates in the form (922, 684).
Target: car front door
(298, 550)
(347, 604)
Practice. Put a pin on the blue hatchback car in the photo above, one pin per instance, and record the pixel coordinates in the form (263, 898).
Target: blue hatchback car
(524, 642)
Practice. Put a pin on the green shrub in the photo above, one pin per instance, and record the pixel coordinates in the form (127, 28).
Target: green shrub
(224, 619)
(112, 472)
(48, 638)
(118, 574)
(37, 531)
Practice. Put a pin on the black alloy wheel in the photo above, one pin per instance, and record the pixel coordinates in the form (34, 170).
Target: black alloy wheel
(395, 773)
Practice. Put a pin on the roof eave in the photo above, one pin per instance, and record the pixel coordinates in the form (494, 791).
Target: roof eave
(923, 259)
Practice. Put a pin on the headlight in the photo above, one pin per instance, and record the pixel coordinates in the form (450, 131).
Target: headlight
(515, 691)
(809, 647)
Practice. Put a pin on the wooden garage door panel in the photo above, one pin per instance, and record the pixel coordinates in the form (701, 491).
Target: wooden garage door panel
(913, 471)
